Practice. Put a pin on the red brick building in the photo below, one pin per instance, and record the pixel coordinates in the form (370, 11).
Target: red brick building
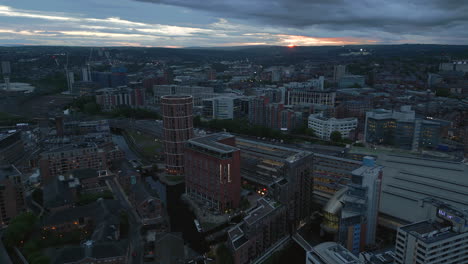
(212, 166)
(177, 128)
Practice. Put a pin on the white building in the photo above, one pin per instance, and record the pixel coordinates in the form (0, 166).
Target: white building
(331, 253)
(441, 239)
(323, 127)
(222, 107)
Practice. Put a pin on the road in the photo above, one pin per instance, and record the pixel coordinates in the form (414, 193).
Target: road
(136, 243)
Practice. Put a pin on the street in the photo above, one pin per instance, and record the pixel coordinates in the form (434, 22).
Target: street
(136, 243)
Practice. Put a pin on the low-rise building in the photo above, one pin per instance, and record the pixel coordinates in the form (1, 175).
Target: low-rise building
(111, 98)
(323, 127)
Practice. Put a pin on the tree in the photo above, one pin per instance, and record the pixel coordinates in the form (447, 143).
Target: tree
(19, 228)
(335, 136)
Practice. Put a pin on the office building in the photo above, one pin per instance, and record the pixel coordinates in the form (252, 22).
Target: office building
(351, 214)
(212, 168)
(198, 93)
(323, 127)
(310, 96)
(331, 253)
(122, 96)
(351, 81)
(401, 129)
(222, 107)
(338, 72)
(177, 129)
(11, 147)
(11, 194)
(263, 228)
(442, 238)
(281, 173)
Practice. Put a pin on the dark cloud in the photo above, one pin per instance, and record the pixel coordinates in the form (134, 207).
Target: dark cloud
(393, 16)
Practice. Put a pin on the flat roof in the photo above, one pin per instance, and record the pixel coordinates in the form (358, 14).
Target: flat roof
(263, 209)
(430, 231)
(212, 142)
(279, 152)
(333, 253)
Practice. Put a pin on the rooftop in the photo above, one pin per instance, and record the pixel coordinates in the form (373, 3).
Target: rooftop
(263, 209)
(430, 231)
(211, 142)
(277, 152)
(333, 253)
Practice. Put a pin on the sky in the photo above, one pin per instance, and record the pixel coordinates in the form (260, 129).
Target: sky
(213, 23)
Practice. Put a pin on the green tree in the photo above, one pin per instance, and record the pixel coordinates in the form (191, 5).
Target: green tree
(335, 136)
(19, 229)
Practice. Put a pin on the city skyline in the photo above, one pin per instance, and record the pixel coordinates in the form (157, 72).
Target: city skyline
(162, 23)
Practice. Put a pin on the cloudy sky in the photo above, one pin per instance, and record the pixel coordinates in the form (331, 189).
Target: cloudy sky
(186, 23)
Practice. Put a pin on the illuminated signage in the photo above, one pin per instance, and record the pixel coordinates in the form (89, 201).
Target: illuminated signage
(448, 216)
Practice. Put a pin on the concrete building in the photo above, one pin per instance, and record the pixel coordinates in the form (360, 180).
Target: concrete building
(177, 128)
(11, 147)
(111, 98)
(212, 166)
(11, 194)
(440, 239)
(198, 93)
(281, 173)
(351, 81)
(263, 229)
(401, 129)
(323, 127)
(461, 66)
(331, 253)
(338, 72)
(222, 107)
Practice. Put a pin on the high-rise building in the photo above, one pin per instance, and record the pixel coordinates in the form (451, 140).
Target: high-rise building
(310, 96)
(351, 214)
(338, 72)
(11, 193)
(443, 238)
(212, 168)
(177, 113)
(281, 173)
